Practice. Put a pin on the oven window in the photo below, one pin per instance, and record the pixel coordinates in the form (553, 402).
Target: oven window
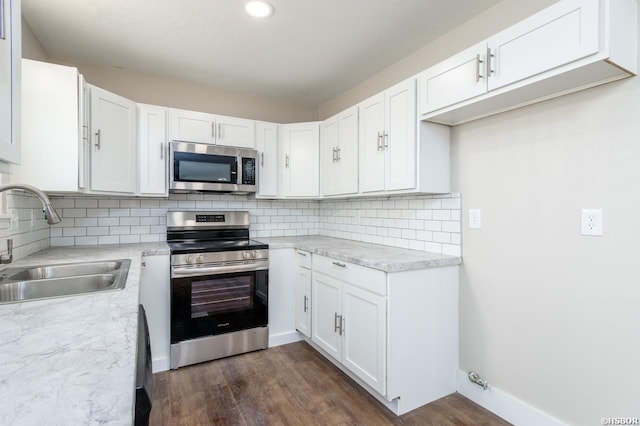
(221, 295)
(191, 167)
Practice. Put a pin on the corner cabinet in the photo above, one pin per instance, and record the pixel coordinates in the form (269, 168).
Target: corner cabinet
(192, 126)
(113, 135)
(569, 46)
(267, 146)
(55, 132)
(10, 61)
(300, 162)
(394, 333)
(152, 150)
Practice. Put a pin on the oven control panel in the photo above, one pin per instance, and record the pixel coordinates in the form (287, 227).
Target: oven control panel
(210, 218)
(222, 257)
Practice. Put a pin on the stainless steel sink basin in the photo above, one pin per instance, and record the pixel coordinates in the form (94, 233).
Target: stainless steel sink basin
(45, 281)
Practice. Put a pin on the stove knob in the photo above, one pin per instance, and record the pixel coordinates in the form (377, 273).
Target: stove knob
(254, 254)
(245, 254)
(189, 259)
(200, 258)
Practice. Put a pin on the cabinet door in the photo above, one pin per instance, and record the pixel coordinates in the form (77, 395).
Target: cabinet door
(113, 156)
(233, 131)
(365, 337)
(562, 33)
(303, 300)
(50, 134)
(267, 145)
(454, 80)
(328, 156)
(400, 136)
(326, 306)
(10, 59)
(191, 126)
(84, 139)
(155, 296)
(152, 149)
(370, 144)
(347, 154)
(301, 159)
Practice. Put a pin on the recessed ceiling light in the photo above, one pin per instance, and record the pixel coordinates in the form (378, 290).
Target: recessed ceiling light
(259, 9)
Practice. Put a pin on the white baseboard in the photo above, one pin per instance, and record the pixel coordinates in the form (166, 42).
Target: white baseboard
(160, 364)
(284, 338)
(504, 405)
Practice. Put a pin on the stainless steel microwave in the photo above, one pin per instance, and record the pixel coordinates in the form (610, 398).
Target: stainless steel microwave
(200, 167)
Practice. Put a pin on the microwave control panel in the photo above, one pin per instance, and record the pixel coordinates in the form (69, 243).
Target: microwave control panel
(248, 171)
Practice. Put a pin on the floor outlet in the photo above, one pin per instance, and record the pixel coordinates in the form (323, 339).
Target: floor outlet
(591, 222)
(475, 219)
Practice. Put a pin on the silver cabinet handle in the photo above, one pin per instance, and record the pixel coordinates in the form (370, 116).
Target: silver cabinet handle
(478, 72)
(302, 254)
(379, 141)
(162, 150)
(306, 307)
(213, 130)
(335, 154)
(386, 140)
(286, 161)
(98, 139)
(219, 131)
(490, 69)
(338, 153)
(262, 159)
(342, 265)
(337, 323)
(3, 26)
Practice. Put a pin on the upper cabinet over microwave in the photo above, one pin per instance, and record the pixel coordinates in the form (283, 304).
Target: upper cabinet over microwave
(192, 126)
(570, 46)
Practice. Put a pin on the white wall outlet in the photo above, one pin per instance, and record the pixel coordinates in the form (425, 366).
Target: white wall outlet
(591, 222)
(475, 219)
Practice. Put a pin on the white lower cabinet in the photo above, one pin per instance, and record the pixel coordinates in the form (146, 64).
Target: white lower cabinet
(395, 333)
(303, 292)
(155, 296)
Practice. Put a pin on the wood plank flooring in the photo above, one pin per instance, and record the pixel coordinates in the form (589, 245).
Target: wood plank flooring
(288, 385)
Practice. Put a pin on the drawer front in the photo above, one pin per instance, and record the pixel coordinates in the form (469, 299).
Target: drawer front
(367, 278)
(303, 258)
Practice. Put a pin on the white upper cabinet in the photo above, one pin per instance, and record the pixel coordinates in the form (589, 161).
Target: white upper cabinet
(301, 159)
(113, 155)
(563, 33)
(339, 153)
(192, 126)
(152, 150)
(569, 46)
(328, 143)
(456, 79)
(267, 146)
(54, 128)
(10, 60)
(388, 139)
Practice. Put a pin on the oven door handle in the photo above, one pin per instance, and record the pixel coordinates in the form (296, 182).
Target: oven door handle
(195, 271)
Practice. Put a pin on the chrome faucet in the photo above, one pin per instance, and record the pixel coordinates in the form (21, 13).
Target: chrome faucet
(49, 212)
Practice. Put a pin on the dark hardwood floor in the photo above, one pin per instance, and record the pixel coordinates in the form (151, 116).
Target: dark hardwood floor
(288, 385)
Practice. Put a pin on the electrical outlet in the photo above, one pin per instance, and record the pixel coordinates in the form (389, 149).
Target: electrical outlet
(475, 219)
(591, 222)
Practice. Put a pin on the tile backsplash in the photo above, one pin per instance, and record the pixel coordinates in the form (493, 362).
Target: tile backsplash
(428, 223)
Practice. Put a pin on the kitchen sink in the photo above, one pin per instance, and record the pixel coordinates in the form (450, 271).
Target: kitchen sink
(45, 281)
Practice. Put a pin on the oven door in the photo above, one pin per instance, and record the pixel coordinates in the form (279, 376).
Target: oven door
(210, 300)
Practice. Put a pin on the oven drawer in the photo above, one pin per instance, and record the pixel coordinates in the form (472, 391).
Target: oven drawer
(367, 278)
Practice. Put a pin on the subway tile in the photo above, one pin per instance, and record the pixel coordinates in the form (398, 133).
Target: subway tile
(128, 239)
(86, 241)
(74, 232)
(128, 203)
(442, 237)
(105, 203)
(450, 226)
(128, 221)
(98, 230)
(60, 203)
(74, 212)
(86, 203)
(119, 230)
(97, 212)
(108, 221)
(109, 239)
(140, 230)
(61, 241)
(451, 203)
(86, 221)
(150, 204)
(119, 212)
(151, 220)
(140, 212)
(150, 238)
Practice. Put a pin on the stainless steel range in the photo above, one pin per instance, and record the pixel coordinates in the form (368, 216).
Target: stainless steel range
(219, 286)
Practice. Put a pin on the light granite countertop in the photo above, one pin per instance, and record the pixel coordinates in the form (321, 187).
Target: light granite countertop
(72, 360)
(384, 258)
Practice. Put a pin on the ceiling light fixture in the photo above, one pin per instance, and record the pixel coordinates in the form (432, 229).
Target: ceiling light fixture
(259, 9)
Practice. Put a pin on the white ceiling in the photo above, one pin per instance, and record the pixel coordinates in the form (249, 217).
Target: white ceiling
(308, 52)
